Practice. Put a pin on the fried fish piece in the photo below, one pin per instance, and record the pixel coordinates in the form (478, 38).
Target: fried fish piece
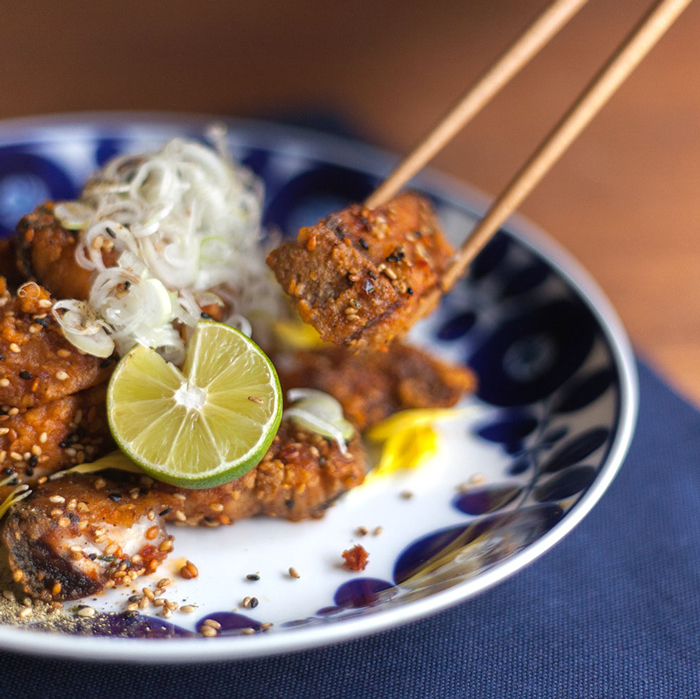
(299, 477)
(81, 534)
(54, 436)
(373, 385)
(359, 275)
(46, 254)
(37, 363)
(8, 264)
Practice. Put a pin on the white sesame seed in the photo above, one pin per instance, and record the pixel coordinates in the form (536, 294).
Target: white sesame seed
(86, 611)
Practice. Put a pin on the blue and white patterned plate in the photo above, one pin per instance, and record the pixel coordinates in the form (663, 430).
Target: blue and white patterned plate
(547, 430)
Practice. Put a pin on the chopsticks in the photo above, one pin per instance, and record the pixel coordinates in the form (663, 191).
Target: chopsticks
(534, 38)
(614, 72)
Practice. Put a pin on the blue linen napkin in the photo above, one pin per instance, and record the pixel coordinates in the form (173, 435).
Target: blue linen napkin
(612, 611)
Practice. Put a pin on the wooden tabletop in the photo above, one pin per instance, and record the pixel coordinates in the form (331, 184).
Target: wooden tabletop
(625, 200)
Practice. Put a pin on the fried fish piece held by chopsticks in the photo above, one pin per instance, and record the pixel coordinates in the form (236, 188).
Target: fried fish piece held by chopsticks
(359, 275)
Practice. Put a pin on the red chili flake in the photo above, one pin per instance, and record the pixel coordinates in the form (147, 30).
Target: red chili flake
(356, 558)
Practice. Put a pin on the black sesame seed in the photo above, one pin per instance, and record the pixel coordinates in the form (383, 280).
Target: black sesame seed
(33, 460)
(105, 363)
(289, 503)
(253, 576)
(254, 602)
(14, 481)
(8, 471)
(115, 497)
(209, 519)
(127, 285)
(2, 356)
(44, 322)
(73, 517)
(130, 614)
(371, 274)
(409, 290)
(392, 258)
(135, 598)
(108, 559)
(205, 315)
(166, 511)
(29, 472)
(63, 445)
(25, 375)
(363, 244)
(92, 556)
(110, 232)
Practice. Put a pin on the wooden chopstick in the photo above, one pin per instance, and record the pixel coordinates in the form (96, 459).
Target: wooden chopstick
(619, 66)
(535, 37)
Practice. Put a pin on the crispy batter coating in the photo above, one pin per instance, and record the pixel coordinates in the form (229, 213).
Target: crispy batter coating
(46, 253)
(8, 264)
(54, 436)
(358, 275)
(37, 363)
(301, 475)
(373, 385)
(92, 536)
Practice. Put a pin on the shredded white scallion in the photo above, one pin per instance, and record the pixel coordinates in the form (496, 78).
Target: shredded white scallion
(320, 413)
(166, 234)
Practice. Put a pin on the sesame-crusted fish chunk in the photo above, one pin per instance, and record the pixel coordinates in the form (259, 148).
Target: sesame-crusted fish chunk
(300, 476)
(359, 275)
(46, 254)
(37, 363)
(54, 436)
(81, 534)
(373, 385)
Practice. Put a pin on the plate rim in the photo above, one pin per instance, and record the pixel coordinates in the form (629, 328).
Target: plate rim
(344, 151)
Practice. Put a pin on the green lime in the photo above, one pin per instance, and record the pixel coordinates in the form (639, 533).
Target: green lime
(208, 424)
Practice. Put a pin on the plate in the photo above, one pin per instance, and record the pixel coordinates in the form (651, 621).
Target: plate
(540, 442)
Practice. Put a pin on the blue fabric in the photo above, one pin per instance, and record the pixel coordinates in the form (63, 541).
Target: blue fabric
(613, 611)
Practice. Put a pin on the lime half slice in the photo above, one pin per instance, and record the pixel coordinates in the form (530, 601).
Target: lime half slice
(208, 424)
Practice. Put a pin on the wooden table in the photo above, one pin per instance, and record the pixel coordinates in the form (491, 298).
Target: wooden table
(624, 199)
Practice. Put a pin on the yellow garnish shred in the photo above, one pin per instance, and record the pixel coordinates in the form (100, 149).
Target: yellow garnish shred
(409, 448)
(19, 493)
(115, 459)
(408, 438)
(297, 334)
